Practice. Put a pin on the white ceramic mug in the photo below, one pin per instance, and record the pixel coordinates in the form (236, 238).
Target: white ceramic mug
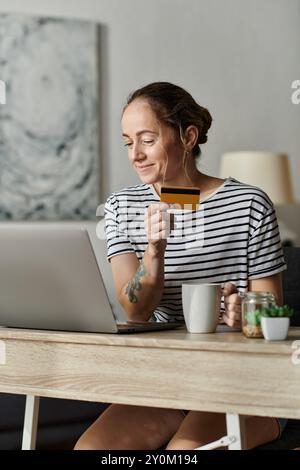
(201, 307)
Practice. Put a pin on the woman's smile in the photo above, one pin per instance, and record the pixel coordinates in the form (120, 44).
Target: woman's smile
(143, 168)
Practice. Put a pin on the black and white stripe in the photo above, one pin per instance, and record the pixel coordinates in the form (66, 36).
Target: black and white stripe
(233, 237)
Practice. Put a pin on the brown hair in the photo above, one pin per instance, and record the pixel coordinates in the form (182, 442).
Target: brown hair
(176, 108)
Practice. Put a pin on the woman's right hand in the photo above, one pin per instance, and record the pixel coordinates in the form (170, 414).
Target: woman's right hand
(158, 225)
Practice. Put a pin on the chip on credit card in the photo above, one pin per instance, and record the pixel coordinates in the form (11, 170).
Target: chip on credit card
(182, 196)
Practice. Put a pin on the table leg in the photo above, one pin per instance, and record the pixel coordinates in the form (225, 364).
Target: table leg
(30, 422)
(235, 428)
(234, 438)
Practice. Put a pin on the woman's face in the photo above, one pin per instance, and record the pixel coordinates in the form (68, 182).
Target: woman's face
(149, 142)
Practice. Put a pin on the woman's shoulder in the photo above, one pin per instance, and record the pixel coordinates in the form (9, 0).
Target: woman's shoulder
(130, 192)
(252, 193)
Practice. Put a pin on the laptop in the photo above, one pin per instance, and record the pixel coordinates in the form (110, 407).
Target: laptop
(50, 280)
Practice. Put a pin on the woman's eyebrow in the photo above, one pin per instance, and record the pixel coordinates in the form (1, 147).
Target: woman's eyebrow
(140, 132)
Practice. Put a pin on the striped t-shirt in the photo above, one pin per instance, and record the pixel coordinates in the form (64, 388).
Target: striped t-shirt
(233, 237)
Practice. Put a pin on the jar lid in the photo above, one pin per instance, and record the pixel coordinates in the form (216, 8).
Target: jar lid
(258, 295)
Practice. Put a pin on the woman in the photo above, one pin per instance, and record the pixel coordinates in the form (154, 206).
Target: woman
(163, 127)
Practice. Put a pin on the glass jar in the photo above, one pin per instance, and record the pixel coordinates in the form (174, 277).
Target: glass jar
(252, 303)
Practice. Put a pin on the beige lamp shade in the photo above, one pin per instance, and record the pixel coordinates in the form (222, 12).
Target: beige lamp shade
(267, 170)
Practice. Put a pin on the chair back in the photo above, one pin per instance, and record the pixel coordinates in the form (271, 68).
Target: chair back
(291, 282)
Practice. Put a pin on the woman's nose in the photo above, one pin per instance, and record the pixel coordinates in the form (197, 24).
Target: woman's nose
(137, 153)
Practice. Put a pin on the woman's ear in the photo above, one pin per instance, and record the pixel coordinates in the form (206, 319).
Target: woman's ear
(190, 137)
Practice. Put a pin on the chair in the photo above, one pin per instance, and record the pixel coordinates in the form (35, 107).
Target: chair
(291, 290)
(291, 282)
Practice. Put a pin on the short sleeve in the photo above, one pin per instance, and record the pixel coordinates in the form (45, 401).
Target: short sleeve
(117, 241)
(265, 255)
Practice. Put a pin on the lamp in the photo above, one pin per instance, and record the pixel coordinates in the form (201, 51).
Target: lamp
(267, 170)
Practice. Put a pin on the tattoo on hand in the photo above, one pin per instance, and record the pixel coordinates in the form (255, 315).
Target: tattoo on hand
(135, 284)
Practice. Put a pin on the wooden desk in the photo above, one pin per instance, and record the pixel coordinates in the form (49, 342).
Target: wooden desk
(222, 372)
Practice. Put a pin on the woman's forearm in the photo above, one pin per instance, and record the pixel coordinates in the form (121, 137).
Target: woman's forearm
(141, 295)
(271, 284)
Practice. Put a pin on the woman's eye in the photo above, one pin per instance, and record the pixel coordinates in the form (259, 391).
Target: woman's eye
(144, 142)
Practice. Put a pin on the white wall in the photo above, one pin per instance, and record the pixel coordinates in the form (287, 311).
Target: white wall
(237, 57)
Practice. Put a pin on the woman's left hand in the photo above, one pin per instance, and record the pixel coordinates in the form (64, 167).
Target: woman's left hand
(232, 301)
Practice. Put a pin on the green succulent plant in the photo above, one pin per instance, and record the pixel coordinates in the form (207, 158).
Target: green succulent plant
(276, 311)
(254, 318)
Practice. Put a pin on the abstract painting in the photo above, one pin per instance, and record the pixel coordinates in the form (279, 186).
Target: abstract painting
(49, 123)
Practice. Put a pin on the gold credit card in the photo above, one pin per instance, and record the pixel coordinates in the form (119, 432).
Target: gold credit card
(184, 197)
